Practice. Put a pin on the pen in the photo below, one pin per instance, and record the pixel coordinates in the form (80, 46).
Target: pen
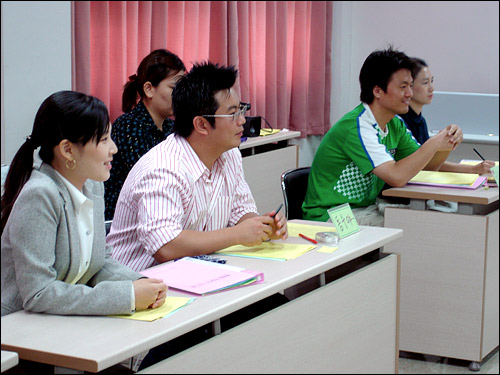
(477, 152)
(277, 210)
(307, 238)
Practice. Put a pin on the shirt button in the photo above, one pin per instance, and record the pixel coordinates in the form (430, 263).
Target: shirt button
(88, 233)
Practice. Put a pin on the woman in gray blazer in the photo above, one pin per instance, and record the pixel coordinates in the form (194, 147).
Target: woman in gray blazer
(54, 254)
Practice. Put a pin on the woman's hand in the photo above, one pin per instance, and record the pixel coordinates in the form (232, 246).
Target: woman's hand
(149, 293)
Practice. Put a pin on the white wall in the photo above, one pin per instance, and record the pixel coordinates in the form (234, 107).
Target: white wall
(458, 39)
(36, 62)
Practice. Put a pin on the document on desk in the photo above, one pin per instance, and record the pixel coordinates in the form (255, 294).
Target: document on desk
(171, 305)
(270, 131)
(295, 229)
(448, 179)
(309, 230)
(268, 250)
(201, 277)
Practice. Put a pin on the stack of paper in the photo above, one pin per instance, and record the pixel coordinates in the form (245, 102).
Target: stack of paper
(448, 179)
(201, 277)
(268, 131)
(268, 250)
(171, 305)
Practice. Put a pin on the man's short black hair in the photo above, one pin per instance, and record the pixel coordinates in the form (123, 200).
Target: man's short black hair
(194, 94)
(378, 69)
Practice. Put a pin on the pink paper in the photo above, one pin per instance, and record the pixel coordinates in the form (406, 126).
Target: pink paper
(199, 276)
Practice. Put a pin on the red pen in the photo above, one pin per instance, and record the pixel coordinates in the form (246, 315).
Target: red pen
(307, 238)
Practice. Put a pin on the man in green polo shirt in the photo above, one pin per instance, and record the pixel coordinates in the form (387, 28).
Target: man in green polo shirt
(371, 146)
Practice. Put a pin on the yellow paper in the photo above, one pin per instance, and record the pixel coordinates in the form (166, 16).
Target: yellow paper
(308, 230)
(448, 178)
(268, 250)
(268, 131)
(171, 304)
(327, 249)
(473, 162)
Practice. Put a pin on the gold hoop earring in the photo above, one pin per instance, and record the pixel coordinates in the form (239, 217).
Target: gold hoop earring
(72, 166)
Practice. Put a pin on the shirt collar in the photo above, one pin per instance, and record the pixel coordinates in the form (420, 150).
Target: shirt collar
(198, 167)
(77, 197)
(371, 118)
(140, 108)
(412, 114)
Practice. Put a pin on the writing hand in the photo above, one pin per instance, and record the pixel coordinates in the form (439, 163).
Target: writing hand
(484, 167)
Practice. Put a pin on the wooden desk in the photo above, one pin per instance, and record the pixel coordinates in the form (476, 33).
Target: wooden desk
(9, 360)
(449, 272)
(264, 160)
(356, 315)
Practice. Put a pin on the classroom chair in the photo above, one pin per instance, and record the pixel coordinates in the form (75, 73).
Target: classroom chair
(107, 223)
(294, 186)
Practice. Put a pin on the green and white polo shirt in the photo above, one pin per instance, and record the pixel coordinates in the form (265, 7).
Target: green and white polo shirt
(352, 148)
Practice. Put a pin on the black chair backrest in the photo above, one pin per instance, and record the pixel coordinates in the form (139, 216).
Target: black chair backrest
(107, 225)
(294, 187)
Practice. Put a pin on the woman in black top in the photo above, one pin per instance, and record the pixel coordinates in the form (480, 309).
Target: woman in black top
(145, 123)
(423, 90)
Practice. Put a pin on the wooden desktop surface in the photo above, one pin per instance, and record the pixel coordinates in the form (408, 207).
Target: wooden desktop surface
(96, 343)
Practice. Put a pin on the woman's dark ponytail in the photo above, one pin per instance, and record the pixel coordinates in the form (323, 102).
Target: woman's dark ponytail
(69, 115)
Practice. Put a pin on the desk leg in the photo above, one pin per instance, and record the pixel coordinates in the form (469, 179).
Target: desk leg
(216, 329)
(322, 279)
(465, 209)
(417, 204)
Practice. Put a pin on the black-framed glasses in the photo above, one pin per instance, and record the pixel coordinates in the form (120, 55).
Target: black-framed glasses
(244, 107)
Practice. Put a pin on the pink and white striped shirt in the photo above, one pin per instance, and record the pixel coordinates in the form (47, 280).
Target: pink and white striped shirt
(170, 190)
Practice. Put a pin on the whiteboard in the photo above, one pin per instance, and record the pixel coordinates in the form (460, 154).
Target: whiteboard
(474, 113)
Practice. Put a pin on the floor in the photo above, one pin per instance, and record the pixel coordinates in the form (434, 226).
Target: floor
(410, 363)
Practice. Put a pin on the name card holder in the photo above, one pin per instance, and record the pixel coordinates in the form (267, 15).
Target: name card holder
(344, 220)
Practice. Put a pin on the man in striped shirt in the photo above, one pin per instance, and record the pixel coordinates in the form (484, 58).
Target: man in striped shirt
(188, 195)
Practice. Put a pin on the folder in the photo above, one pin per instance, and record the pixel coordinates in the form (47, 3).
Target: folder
(201, 277)
(448, 179)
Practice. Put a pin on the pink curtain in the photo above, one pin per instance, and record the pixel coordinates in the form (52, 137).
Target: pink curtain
(281, 48)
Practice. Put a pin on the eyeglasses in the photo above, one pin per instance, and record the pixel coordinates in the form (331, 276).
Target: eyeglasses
(236, 115)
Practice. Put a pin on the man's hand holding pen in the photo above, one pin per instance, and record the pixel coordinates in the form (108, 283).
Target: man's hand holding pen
(280, 230)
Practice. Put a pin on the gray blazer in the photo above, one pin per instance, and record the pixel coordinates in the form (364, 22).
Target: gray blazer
(41, 248)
